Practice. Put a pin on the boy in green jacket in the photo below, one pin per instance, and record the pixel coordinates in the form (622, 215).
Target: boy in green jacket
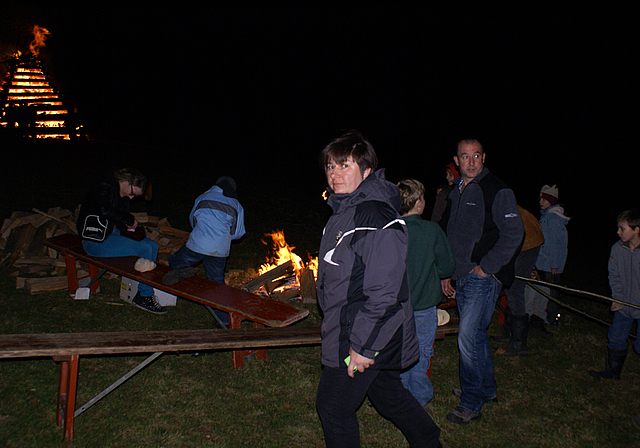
(429, 260)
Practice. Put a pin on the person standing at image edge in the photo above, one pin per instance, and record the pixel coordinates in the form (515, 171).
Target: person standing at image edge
(624, 279)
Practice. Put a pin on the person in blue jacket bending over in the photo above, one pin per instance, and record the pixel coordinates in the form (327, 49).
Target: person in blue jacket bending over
(217, 218)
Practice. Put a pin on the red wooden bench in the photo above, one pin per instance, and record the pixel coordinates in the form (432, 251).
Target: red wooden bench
(241, 305)
(67, 348)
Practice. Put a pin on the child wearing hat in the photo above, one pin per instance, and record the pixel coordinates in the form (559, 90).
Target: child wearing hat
(553, 253)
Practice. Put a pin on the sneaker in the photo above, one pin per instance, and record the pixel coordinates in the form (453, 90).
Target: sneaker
(147, 303)
(462, 416)
(458, 393)
(174, 276)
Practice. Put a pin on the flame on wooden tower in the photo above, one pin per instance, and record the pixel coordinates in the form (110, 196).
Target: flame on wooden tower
(31, 106)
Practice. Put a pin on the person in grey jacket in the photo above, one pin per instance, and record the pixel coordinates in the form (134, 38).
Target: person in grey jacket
(624, 279)
(486, 232)
(368, 330)
(553, 253)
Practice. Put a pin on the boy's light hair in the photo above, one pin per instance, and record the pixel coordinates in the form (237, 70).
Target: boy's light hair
(631, 217)
(410, 191)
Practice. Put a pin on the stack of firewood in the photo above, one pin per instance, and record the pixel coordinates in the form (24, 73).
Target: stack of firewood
(39, 268)
(278, 276)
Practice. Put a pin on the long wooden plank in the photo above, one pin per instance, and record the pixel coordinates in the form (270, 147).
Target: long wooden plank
(63, 344)
(249, 306)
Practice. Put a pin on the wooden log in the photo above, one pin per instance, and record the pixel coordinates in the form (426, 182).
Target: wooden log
(22, 241)
(167, 249)
(34, 219)
(163, 241)
(274, 284)
(41, 261)
(170, 231)
(277, 272)
(70, 226)
(59, 212)
(31, 269)
(144, 218)
(308, 286)
(285, 295)
(52, 216)
(46, 284)
(154, 234)
(5, 225)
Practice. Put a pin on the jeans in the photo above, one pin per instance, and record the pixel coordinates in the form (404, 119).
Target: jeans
(416, 380)
(116, 245)
(476, 299)
(213, 266)
(619, 333)
(340, 396)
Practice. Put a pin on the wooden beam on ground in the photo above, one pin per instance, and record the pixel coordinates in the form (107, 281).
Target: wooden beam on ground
(277, 272)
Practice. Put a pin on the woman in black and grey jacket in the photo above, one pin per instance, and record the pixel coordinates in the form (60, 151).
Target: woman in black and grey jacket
(368, 331)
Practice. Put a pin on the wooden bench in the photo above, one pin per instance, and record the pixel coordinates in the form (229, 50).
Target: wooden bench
(241, 305)
(66, 348)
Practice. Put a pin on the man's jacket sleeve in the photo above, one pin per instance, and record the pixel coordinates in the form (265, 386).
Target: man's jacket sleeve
(511, 231)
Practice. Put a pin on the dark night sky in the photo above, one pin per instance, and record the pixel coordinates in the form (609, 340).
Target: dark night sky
(548, 89)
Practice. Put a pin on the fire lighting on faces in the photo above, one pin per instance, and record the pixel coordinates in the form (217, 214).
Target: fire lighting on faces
(470, 159)
(627, 233)
(544, 203)
(345, 177)
(127, 189)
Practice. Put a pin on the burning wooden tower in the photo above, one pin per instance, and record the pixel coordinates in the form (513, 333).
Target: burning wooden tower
(31, 105)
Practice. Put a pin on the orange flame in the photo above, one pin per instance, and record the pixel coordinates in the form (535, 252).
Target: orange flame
(283, 253)
(40, 34)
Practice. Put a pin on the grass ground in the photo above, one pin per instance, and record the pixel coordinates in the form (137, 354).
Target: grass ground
(546, 399)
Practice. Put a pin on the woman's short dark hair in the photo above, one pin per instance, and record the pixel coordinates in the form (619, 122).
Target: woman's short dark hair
(133, 176)
(350, 144)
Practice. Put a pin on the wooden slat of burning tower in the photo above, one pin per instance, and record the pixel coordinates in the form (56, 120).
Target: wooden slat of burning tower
(32, 107)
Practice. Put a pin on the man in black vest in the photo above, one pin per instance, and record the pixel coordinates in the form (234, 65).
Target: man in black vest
(485, 231)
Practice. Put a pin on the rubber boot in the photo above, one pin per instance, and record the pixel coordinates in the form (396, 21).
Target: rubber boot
(506, 335)
(615, 361)
(519, 333)
(538, 325)
(553, 313)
